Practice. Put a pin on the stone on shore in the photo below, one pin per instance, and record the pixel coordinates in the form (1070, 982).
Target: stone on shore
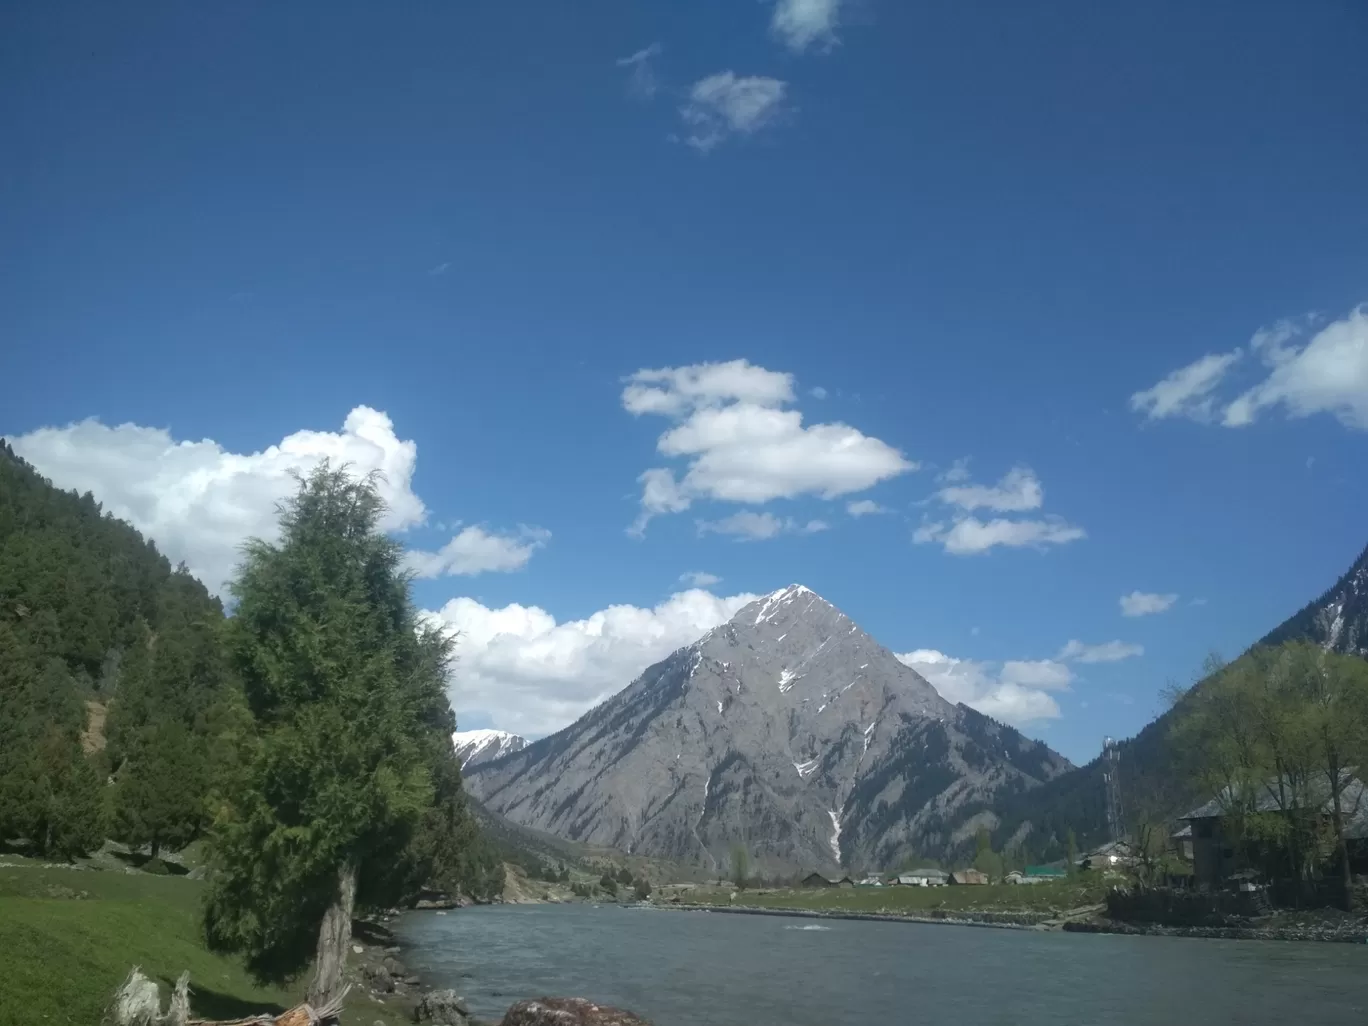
(442, 1008)
(568, 1012)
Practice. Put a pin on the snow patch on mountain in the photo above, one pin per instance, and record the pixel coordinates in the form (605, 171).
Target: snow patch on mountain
(474, 747)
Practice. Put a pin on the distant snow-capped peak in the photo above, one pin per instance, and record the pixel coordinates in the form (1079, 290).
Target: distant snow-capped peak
(476, 746)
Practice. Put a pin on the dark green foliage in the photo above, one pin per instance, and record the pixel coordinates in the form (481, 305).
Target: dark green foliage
(80, 591)
(609, 883)
(159, 797)
(642, 889)
(49, 792)
(351, 765)
(1157, 773)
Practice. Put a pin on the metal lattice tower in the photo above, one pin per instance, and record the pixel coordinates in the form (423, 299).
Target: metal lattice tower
(1111, 768)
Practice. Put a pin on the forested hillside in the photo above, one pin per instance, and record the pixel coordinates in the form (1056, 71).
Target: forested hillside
(1155, 778)
(122, 714)
(94, 620)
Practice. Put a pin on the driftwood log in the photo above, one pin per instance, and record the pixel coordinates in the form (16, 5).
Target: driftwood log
(138, 1003)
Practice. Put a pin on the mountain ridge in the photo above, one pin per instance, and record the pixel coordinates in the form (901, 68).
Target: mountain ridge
(788, 729)
(1152, 780)
(474, 747)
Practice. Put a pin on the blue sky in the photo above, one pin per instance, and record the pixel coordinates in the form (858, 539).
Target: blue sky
(990, 235)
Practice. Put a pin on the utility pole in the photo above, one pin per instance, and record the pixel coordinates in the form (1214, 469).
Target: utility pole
(1111, 767)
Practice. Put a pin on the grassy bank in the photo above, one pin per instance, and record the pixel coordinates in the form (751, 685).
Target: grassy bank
(1044, 897)
(68, 938)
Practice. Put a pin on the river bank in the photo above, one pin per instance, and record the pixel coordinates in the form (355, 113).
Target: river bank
(1324, 926)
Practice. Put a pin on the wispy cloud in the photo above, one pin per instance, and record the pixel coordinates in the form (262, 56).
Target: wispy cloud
(865, 508)
(725, 104)
(1107, 652)
(1145, 603)
(699, 579)
(1018, 491)
(642, 82)
(1305, 372)
(800, 24)
(440, 269)
(748, 526)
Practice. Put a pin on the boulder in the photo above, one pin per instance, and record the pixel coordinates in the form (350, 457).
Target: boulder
(568, 1012)
(442, 1008)
(379, 978)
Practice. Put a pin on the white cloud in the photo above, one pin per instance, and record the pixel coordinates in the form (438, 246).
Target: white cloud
(1107, 652)
(1187, 392)
(199, 502)
(817, 392)
(970, 536)
(1046, 674)
(740, 444)
(983, 686)
(957, 472)
(642, 82)
(865, 507)
(1325, 373)
(477, 551)
(699, 579)
(799, 24)
(1329, 374)
(1143, 603)
(725, 104)
(749, 526)
(527, 673)
(1018, 491)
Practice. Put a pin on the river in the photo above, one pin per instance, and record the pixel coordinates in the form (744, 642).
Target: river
(709, 969)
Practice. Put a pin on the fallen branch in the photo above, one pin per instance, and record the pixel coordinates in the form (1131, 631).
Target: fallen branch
(138, 1003)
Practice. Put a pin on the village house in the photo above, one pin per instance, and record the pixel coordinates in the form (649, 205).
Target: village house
(1112, 855)
(923, 878)
(968, 876)
(1217, 858)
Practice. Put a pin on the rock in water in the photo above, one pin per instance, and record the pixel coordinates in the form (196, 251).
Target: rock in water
(568, 1012)
(442, 1008)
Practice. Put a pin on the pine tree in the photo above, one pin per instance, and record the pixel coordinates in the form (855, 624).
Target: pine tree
(346, 690)
(159, 798)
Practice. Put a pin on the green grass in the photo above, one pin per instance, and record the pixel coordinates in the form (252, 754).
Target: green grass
(1044, 897)
(68, 939)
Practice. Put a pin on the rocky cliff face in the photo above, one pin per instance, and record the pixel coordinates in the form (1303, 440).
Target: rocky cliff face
(474, 747)
(787, 729)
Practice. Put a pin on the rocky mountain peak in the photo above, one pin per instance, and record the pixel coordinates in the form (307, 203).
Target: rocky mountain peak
(474, 747)
(788, 727)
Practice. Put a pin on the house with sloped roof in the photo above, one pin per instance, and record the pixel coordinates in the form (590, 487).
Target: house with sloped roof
(1216, 855)
(929, 877)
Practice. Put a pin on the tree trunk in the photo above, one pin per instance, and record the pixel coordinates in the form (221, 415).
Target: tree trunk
(333, 937)
(1348, 900)
(156, 847)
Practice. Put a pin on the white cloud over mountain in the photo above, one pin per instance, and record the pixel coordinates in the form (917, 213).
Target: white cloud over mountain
(991, 689)
(740, 443)
(532, 675)
(200, 502)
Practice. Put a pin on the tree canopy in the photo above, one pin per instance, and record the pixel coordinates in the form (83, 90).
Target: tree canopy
(349, 790)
